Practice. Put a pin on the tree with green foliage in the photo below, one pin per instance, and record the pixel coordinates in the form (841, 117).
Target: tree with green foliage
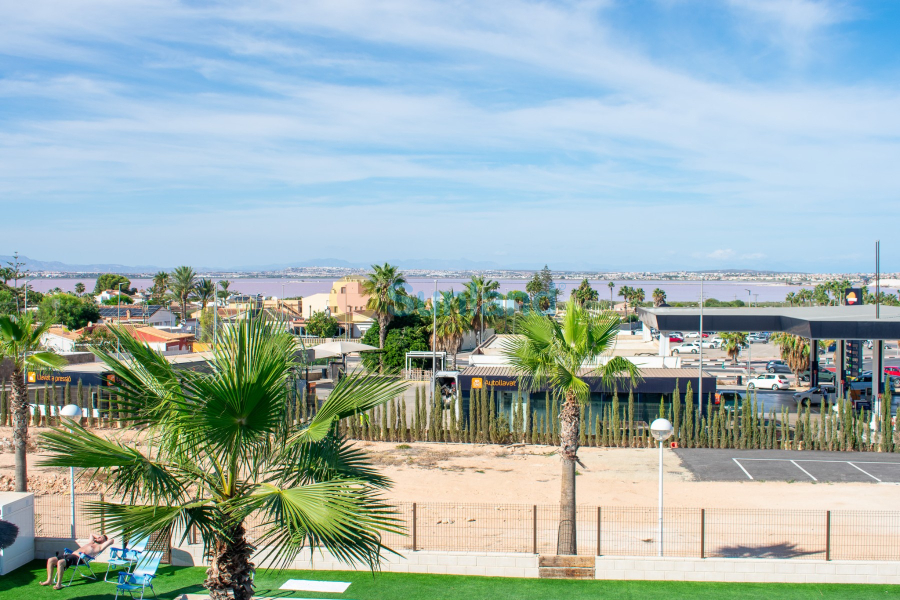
(659, 297)
(480, 296)
(159, 288)
(206, 292)
(8, 301)
(322, 324)
(560, 356)
(794, 351)
(384, 287)
(519, 297)
(117, 300)
(732, 342)
(79, 288)
(224, 450)
(584, 293)
(405, 333)
(452, 323)
(183, 283)
(68, 310)
(20, 341)
(223, 291)
(111, 281)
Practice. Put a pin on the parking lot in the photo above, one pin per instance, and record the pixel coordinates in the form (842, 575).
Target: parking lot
(791, 466)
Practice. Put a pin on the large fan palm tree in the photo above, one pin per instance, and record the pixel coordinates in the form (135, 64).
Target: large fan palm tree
(794, 351)
(732, 342)
(387, 297)
(183, 284)
(20, 340)
(221, 447)
(160, 287)
(560, 356)
(659, 297)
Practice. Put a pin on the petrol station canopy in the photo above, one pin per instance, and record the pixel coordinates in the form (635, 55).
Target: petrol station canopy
(813, 322)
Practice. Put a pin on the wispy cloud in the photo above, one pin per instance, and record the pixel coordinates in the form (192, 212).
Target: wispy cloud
(408, 107)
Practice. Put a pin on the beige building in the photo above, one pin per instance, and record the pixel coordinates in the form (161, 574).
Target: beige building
(347, 295)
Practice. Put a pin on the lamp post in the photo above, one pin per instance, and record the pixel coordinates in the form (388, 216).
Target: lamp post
(118, 315)
(434, 337)
(700, 369)
(71, 411)
(661, 429)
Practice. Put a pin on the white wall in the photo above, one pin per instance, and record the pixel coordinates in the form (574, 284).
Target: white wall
(314, 303)
(58, 343)
(18, 509)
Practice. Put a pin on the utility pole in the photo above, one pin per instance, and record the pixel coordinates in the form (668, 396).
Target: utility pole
(700, 373)
(118, 315)
(434, 337)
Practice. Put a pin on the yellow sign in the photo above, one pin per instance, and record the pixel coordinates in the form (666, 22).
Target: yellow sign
(477, 383)
(851, 298)
(48, 378)
(31, 377)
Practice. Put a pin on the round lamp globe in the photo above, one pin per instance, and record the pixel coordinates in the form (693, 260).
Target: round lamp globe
(661, 429)
(70, 410)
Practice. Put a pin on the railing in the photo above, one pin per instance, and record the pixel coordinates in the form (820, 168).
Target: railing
(606, 531)
(416, 374)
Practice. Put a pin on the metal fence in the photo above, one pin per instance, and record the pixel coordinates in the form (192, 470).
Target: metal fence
(601, 531)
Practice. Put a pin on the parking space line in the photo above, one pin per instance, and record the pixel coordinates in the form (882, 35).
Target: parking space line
(860, 470)
(804, 470)
(742, 468)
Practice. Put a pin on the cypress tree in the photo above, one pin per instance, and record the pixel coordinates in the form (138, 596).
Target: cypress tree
(554, 406)
(404, 432)
(661, 412)
(4, 411)
(597, 433)
(886, 442)
(631, 417)
(676, 413)
(615, 421)
(417, 417)
(527, 421)
(687, 427)
(607, 437)
(391, 416)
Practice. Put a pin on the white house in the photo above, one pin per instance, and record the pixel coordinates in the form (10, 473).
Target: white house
(59, 339)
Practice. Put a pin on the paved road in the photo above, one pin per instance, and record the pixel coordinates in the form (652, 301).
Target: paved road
(787, 465)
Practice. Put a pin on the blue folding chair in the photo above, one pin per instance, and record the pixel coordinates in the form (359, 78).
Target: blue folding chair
(142, 576)
(126, 557)
(83, 564)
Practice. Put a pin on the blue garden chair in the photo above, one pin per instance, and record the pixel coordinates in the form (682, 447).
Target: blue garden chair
(82, 567)
(126, 557)
(142, 576)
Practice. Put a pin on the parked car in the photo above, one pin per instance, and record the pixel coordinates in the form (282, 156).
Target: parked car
(713, 343)
(696, 334)
(825, 376)
(771, 381)
(676, 337)
(815, 395)
(777, 366)
(758, 338)
(687, 348)
(895, 371)
(729, 399)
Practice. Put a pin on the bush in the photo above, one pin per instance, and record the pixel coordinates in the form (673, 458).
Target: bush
(322, 325)
(404, 334)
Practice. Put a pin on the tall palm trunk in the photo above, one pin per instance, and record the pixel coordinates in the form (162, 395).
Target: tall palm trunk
(20, 428)
(569, 420)
(230, 573)
(382, 334)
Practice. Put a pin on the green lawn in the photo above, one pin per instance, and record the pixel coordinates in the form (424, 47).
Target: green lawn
(22, 584)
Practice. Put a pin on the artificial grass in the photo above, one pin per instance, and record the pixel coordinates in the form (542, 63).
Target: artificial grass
(22, 584)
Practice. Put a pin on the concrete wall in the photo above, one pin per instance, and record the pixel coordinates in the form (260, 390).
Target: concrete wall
(747, 570)
(18, 509)
(491, 564)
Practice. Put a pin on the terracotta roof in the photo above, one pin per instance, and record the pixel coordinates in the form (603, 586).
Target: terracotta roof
(64, 333)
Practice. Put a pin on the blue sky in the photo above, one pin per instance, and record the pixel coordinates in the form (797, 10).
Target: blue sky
(619, 135)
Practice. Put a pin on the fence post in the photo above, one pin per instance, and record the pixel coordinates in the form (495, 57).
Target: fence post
(598, 531)
(702, 533)
(827, 535)
(103, 519)
(534, 529)
(414, 527)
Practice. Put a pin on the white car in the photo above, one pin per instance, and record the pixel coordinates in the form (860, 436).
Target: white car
(769, 381)
(712, 343)
(687, 348)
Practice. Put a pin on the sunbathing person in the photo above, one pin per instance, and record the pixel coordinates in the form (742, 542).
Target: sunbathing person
(95, 546)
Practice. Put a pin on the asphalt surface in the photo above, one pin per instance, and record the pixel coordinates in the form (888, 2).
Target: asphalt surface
(791, 466)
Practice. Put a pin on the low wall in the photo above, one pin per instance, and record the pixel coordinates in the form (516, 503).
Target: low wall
(744, 570)
(18, 509)
(490, 564)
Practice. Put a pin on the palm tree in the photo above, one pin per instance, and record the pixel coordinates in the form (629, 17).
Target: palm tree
(160, 286)
(637, 296)
(584, 293)
(794, 351)
(183, 286)
(221, 446)
(626, 292)
(20, 339)
(223, 293)
(79, 288)
(790, 298)
(659, 297)
(386, 295)
(479, 293)
(206, 292)
(733, 341)
(452, 323)
(559, 356)
(533, 288)
(611, 285)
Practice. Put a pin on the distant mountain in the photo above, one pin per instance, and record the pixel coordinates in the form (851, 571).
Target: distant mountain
(52, 265)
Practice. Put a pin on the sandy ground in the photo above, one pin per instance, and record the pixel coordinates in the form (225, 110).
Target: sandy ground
(530, 475)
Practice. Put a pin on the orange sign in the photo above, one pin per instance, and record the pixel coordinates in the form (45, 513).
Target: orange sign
(851, 298)
(477, 383)
(32, 378)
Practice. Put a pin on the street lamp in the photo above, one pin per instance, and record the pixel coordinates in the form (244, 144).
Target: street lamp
(118, 315)
(661, 429)
(71, 411)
